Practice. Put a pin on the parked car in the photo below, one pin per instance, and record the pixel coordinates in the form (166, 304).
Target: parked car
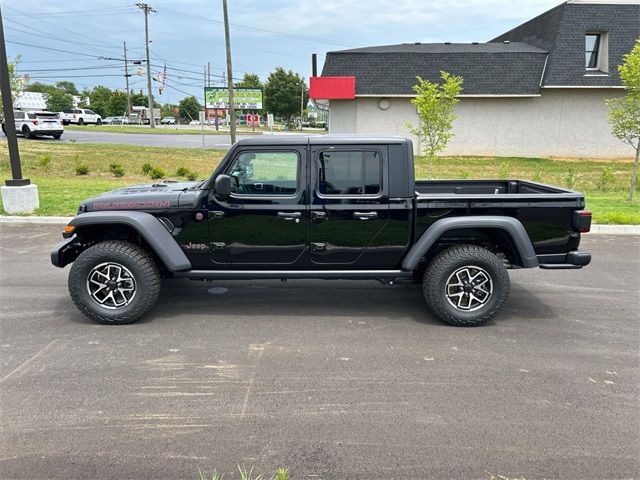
(32, 124)
(194, 122)
(108, 120)
(325, 207)
(168, 121)
(80, 116)
(120, 120)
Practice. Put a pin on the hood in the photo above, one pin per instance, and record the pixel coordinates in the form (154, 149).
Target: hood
(152, 196)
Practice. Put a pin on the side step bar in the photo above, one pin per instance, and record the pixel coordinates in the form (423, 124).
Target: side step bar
(290, 274)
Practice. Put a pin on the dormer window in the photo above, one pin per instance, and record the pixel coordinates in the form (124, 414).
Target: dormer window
(592, 47)
(596, 52)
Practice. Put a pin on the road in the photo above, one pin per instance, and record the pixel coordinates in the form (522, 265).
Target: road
(330, 379)
(149, 139)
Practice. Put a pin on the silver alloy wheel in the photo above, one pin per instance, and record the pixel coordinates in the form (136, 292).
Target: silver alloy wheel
(111, 285)
(469, 288)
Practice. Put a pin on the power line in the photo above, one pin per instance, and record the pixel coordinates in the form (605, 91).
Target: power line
(63, 51)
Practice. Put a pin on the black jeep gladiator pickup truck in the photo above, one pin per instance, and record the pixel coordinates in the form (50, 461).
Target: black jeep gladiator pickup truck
(329, 207)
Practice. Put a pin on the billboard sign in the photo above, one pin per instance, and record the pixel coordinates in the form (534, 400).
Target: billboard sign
(243, 98)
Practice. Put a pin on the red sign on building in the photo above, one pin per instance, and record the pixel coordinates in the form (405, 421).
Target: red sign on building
(332, 88)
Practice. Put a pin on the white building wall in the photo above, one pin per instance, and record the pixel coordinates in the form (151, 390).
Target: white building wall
(561, 122)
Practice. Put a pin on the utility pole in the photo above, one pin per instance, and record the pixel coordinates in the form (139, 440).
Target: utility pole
(232, 112)
(126, 79)
(146, 9)
(208, 74)
(9, 119)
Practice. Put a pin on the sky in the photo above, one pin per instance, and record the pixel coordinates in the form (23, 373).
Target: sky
(74, 40)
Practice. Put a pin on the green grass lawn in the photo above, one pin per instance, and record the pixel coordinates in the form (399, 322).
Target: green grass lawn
(52, 166)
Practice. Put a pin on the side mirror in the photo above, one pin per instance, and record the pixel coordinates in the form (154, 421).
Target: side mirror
(222, 187)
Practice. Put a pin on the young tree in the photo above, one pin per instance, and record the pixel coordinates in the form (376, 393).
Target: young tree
(282, 93)
(624, 114)
(435, 105)
(189, 108)
(16, 83)
(58, 100)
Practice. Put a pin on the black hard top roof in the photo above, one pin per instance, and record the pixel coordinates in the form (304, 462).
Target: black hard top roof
(320, 140)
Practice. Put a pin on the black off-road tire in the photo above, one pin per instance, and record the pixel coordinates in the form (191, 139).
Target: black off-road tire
(27, 133)
(99, 121)
(452, 260)
(81, 121)
(132, 257)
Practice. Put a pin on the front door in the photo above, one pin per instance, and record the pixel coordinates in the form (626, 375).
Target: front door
(264, 221)
(349, 206)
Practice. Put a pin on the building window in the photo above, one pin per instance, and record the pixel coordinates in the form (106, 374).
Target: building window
(596, 51)
(592, 41)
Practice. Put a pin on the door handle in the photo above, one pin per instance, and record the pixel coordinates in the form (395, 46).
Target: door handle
(289, 215)
(365, 215)
(319, 215)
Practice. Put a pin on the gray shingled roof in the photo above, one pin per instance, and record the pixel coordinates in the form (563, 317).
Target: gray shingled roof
(498, 68)
(487, 69)
(561, 30)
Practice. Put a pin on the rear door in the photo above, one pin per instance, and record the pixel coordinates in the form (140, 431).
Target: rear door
(349, 205)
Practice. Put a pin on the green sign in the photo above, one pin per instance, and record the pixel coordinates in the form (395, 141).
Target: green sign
(243, 98)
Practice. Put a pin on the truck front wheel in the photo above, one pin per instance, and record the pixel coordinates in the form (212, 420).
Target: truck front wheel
(114, 282)
(466, 285)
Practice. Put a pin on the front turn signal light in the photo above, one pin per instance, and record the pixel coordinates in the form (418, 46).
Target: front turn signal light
(68, 229)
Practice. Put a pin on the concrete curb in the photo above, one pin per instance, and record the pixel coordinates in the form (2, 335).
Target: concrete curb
(35, 220)
(595, 229)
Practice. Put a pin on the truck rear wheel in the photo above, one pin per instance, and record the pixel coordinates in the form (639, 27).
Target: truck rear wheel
(466, 285)
(114, 282)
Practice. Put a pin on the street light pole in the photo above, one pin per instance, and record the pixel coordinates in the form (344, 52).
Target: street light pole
(9, 119)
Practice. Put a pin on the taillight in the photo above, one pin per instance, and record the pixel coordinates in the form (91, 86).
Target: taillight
(35, 122)
(582, 220)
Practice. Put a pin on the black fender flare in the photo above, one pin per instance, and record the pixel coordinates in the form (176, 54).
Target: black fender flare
(149, 227)
(511, 226)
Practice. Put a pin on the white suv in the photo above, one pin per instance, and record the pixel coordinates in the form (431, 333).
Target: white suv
(81, 116)
(32, 124)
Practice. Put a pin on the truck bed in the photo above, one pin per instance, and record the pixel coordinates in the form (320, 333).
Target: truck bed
(476, 188)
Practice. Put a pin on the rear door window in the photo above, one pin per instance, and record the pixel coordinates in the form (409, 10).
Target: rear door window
(354, 172)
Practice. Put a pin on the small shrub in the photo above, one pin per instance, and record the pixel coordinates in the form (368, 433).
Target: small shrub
(157, 173)
(116, 169)
(503, 173)
(570, 179)
(182, 172)
(607, 179)
(192, 176)
(146, 168)
(82, 169)
(44, 161)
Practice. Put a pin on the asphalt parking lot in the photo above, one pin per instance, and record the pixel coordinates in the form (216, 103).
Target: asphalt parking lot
(329, 379)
